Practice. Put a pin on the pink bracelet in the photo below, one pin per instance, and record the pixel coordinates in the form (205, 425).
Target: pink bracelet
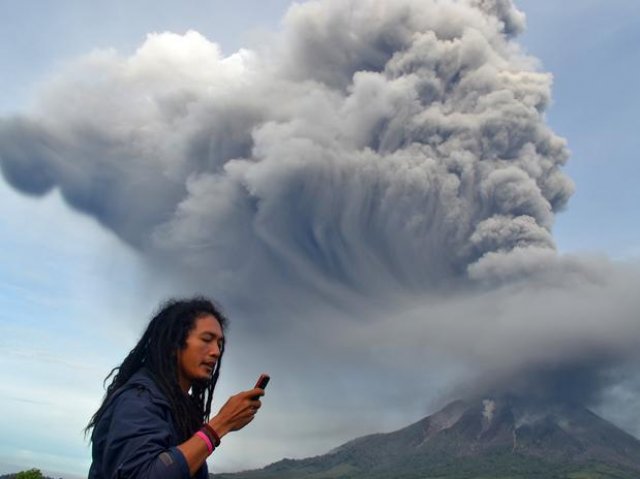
(206, 440)
(212, 434)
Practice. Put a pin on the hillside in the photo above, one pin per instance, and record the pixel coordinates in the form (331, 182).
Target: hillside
(490, 438)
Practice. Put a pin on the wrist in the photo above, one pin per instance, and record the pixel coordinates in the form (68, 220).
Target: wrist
(219, 426)
(202, 434)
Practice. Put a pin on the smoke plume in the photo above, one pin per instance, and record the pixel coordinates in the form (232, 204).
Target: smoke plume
(383, 164)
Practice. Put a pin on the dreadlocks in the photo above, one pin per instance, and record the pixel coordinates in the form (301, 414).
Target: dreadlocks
(157, 351)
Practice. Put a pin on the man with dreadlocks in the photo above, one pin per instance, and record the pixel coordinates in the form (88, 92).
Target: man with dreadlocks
(154, 419)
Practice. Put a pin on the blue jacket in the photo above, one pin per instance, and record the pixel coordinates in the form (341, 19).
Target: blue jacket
(136, 439)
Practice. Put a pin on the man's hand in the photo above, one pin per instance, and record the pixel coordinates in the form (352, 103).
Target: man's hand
(237, 412)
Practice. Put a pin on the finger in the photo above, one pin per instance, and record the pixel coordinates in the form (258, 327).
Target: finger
(249, 414)
(255, 392)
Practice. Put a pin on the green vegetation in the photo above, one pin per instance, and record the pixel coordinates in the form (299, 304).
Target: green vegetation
(29, 474)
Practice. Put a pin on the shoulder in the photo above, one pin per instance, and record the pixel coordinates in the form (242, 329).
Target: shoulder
(140, 395)
(143, 380)
(136, 412)
(136, 407)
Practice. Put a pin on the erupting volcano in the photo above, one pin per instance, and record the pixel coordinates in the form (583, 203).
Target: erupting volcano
(492, 437)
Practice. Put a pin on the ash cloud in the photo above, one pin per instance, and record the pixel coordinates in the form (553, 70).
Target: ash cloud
(379, 160)
(398, 141)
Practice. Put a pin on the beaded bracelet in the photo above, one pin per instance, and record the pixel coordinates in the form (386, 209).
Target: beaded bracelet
(212, 439)
(215, 438)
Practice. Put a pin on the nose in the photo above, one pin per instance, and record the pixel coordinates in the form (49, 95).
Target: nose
(214, 351)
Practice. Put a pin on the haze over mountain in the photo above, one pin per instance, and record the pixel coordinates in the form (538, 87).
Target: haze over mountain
(492, 437)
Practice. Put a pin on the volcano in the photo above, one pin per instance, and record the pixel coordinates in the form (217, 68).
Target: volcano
(504, 438)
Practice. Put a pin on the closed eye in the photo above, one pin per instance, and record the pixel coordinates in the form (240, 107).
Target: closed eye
(208, 338)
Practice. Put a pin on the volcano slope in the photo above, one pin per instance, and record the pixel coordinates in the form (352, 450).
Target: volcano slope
(485, 438)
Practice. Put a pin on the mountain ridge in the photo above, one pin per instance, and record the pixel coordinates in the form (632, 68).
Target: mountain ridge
(489, 438)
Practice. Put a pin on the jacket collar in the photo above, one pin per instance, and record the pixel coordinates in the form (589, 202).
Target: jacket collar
(142, 379)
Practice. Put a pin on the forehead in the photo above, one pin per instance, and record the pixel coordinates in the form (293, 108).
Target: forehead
(207, 324)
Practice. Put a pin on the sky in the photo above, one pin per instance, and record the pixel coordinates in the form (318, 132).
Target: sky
(331, 321)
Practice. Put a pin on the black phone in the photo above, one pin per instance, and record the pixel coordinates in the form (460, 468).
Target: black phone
(262, 382)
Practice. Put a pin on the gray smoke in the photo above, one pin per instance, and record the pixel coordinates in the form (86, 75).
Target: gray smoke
(402, 141)
(386, 163)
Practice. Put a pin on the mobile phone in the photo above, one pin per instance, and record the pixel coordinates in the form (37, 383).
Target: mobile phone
(262, 382)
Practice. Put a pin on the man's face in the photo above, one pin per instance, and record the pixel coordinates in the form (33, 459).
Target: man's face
(197, 360)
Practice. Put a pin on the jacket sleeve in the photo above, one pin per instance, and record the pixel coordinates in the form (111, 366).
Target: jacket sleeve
(138, 443)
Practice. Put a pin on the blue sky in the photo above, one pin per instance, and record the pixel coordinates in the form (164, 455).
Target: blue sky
(63, 325)
(590, 49)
